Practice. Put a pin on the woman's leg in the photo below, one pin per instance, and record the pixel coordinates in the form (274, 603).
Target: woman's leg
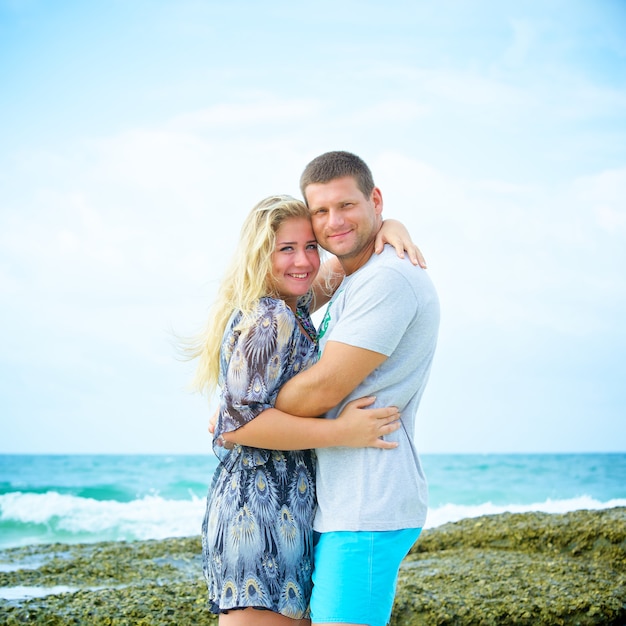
(246, 617)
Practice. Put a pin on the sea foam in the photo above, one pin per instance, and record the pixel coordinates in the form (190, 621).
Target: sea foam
(44, 518)
(455, 512)
(37, 518)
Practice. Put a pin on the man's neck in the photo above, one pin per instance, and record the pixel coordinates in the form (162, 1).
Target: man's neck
(355, 262)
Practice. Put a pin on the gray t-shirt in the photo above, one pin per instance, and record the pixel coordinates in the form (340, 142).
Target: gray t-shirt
(390, 307)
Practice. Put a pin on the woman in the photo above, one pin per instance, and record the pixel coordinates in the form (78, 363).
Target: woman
(257, 531)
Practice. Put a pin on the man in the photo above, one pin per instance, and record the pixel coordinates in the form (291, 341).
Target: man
(377, 338)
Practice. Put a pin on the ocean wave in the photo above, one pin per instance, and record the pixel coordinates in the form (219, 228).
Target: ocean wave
(28, 518)
(43, 518)
(455, 512)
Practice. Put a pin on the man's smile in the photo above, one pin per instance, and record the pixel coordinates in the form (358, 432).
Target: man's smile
(341, 234)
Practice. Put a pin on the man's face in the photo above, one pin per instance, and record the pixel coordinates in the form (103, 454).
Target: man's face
(344, 220)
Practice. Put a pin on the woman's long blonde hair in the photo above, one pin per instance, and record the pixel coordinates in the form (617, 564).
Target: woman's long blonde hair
(248, 278)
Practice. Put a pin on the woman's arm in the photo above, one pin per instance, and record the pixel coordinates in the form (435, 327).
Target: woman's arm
(395, 233)
(355, 427)
(328, 279)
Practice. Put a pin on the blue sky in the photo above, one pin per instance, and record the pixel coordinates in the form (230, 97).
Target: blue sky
(137, 135)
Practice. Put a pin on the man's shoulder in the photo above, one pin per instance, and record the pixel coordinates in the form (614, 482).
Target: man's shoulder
(387, 269)
(394, 281)
(388, 258)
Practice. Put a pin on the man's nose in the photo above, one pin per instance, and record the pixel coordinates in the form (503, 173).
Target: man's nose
(335, 218)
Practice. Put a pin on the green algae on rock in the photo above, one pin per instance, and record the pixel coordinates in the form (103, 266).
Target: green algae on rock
(144, 582)
(530, 568)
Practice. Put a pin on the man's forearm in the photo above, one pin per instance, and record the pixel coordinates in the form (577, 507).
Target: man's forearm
(306, 395)
(323, 386)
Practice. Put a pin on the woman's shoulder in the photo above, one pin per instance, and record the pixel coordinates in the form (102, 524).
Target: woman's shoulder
(272, 319)
(273, 306)
(278, 307)
(273, 311)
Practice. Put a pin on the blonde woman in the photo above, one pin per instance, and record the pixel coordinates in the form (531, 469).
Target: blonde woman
(257, 531)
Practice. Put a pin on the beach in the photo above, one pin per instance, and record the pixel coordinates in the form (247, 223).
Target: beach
(509, 538)
(509, 568)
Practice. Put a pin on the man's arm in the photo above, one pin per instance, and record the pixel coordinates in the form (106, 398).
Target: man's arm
(324, 385)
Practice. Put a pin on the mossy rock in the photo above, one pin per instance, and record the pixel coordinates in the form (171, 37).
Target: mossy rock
(529, 569)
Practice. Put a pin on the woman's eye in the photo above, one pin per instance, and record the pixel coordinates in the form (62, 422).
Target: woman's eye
(312, 246)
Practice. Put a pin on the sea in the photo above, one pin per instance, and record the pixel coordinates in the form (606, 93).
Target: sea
(90, 498)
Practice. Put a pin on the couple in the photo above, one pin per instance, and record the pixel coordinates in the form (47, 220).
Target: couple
(376, 344)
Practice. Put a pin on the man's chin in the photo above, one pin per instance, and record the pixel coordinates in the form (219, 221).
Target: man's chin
(339, 248)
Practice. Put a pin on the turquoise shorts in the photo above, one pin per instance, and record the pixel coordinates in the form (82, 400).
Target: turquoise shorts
(355, 575)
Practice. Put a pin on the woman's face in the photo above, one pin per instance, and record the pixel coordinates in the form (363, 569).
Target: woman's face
(295, 260)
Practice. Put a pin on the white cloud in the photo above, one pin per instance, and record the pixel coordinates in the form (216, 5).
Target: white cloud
(511, 255)
(606, 193)
(475, 89)
(610, 218)
(396, 111)
(155, 159)
(469, 87)
(478, 138)
(257, 109)
(523, 39)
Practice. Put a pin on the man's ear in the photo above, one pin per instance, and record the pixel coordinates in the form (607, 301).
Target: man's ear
(377, 199)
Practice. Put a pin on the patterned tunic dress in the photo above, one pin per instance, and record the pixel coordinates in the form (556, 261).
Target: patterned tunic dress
(257, 530)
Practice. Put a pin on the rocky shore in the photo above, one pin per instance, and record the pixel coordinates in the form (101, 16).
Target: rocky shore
(530, 568)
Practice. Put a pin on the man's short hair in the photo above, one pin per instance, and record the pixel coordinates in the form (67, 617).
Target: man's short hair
(338, 164)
